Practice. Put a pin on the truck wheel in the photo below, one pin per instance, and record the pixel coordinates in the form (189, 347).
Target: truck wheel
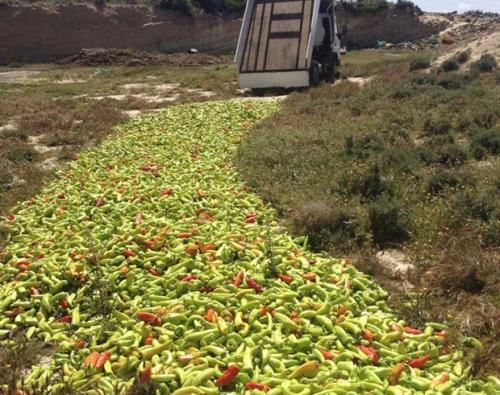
(314, 73)
(331, 71)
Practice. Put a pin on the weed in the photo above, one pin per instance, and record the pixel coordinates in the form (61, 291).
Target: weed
(19, 151)
(452, 81)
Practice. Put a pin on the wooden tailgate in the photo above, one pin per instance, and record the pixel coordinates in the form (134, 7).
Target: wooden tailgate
(278, 36)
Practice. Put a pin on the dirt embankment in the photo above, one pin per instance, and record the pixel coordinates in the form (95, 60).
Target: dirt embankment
(390, 25)
(33, 33)
(38, 32)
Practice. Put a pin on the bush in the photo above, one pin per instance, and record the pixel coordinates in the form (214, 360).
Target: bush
(425, 79)
(185, 6)
(21, 152)
(451, 81)
(478, 205)
(442, 180)
(489, 140)
(451, 155)
(326, 225)
(463, 57)
(441, 139)
(373, 184)
(450, 65)
(420, 64)
(388, 223)
(437, 124)
(486, 63)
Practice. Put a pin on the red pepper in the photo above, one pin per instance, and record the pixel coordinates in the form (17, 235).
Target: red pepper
(264, 310)
(128, 253)
(149, 243)
(253, 385)
(443, 378)
(442, 333)
(103, 358)
(228, 376)
(34, 291)
(145, 375)
(250, 218)
(285, 278)
(184, 235)
(207, 247)
(66, 319)
(91, 359)
(327, 354)
(238, 279)
(206, 289)
(255, 285)
(99, 201)
(210, 315)
(153, 272)
(371, 352)
(192, 250)
(310, 276)
(148, 340)
(368, 335)
(10, 217)
(64, 304)
(189, 277)
(148, 317)
(419, 363)
(80, 344)
(167, 192)
(396, 374)
(412, 331)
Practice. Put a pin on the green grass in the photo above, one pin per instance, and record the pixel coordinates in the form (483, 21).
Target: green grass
(394, 165)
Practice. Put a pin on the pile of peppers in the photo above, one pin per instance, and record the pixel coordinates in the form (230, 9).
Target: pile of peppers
(148, 265)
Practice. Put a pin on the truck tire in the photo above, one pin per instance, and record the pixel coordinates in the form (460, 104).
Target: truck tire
(314, 73)
(331, 72)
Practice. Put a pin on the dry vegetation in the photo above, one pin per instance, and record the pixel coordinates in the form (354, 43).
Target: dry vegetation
(408, 162)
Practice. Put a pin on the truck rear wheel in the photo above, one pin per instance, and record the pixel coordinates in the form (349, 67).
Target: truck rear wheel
(314, 73)
(331, 70)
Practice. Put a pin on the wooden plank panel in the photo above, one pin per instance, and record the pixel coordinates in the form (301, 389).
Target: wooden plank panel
(288, 8)
(262, 50)
(284, 53)
(306, 29)
(253, 39)
(285, 26)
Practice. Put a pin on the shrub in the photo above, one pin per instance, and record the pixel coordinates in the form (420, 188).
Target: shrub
(441, 139)
(451, 81)
(437, 124)
(388, 223)
(21, 152)
(479, 205)
(489, 140)
(425, 155)
(420, 64)
(463, 57)
(326, 225)
(450, 65)
(425, 79)
(486, 63)
(478, 152)
(451, 155)
(373, 184)
(442, 180)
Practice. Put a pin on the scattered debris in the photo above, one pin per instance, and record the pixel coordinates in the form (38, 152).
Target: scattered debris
(395, 263)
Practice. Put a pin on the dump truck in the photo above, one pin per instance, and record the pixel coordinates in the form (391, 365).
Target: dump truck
(288, 43)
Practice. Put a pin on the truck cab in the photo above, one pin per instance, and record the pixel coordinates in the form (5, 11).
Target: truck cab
(288, 43)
